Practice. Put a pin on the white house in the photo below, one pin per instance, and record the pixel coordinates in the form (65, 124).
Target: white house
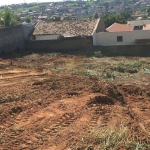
(123, 34)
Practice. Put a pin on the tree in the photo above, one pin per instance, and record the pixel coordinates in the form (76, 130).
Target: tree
(7, 18)
(126, 14)
(95, 16)
(109, 19)
(56, 18)
(145, 18)
(28, 20)
(148, 10)
(15, 19)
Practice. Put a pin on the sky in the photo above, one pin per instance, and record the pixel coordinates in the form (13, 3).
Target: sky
(7, 2)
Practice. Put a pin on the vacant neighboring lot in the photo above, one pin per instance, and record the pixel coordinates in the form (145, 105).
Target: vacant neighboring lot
(54, 101)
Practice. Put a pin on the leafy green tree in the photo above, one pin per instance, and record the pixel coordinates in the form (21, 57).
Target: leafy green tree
(89, 2)
(56, 18)
(50, 20)
(15, 20)
(145, 18)
(7, 18)
(95, 16)
(28, 20)
(126, 14)
(109, 19)
(148, 10)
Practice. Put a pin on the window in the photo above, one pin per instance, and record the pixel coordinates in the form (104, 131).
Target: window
(138, 28)
(119, 39)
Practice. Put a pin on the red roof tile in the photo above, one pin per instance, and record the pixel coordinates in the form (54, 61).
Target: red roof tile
(117, 27)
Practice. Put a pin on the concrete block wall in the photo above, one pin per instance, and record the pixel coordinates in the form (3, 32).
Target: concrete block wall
(63, 45)
(12, 38)
(27, 30)
(85, 46)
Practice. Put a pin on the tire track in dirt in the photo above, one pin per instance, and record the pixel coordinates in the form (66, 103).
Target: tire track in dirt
(50, 128)
(55, 112)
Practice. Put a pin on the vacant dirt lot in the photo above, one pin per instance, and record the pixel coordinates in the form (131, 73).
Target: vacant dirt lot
(67, 102)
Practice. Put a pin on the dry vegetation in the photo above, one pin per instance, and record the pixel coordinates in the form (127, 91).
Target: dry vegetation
(66, 102)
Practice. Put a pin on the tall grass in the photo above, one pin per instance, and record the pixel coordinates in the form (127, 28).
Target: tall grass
(117, 137)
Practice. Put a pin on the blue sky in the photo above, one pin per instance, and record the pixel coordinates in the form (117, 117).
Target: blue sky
(7, 2)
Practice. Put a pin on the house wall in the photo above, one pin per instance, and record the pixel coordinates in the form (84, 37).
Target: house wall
(100, 27)
(46, 37)
(110, 38)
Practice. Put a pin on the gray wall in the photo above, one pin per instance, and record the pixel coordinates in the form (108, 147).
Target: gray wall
(63, 45)
(27, 30)
(12, 38)
(85, 46)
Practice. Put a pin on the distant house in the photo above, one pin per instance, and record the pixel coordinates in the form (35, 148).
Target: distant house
(22, 19)
(67, 29)
(43, 18)
(134, 32)
(138, 23)
(25, 12)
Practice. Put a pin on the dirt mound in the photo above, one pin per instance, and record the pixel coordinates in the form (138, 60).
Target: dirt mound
(16, 110)
(101, 99)
(132, 90)
(110, 90)
(148, 93)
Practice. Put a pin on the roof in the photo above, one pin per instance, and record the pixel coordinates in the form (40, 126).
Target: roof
(26, 24)
(117, 27)
(146, 27)
(139, 22)
(66, 28)
(42, 17)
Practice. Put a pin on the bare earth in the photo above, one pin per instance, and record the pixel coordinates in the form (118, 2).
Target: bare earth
(66, 102)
